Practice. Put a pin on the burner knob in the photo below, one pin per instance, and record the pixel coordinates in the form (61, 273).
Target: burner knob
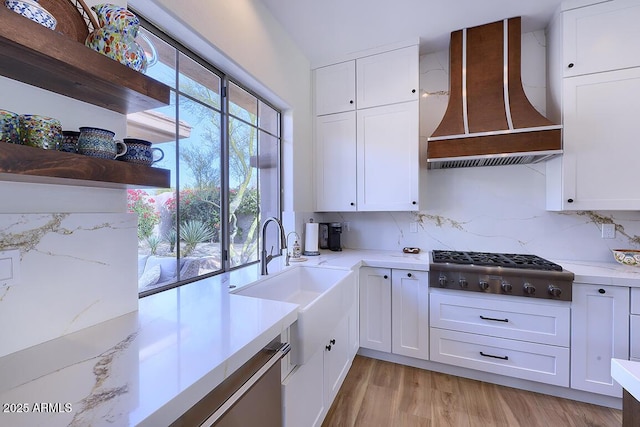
(506, 287)
(443, 281)
(529, 289)
(554, 291)
(483, 285)
(463, 283)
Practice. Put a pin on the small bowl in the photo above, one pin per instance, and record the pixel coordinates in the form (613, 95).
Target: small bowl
(32, 10)
(627, 256)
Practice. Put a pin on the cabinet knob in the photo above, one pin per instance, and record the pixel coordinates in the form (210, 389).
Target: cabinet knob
(413, 91)
(333, 341)
(570, 65)
(328, 347)
(352, 204)
(385, 277)
(351, 102)
(414, 203)
(569, 200)
(408, 274)
(602, 291)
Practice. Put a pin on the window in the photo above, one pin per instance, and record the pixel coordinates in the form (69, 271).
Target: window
(222, 145)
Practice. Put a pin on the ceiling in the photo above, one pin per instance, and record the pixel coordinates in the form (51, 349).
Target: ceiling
(326, 30)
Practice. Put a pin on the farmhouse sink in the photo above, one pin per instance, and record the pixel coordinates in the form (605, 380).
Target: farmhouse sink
(323, 295)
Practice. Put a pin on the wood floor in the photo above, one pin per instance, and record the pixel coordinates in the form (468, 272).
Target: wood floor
(377, 393)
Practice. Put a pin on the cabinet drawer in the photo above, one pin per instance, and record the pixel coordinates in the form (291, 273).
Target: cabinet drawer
(635, 301)
(635, 337)
(524, 321)
(529, 361)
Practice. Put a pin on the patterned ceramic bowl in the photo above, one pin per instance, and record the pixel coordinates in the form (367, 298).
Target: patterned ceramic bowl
(627, 256)
(69, 142)
(141, 152)
(32, 10)
(9, 127)
(40, 131)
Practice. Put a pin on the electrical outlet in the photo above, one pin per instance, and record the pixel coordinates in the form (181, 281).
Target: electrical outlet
(413, 227)
(346, 226)
(608, 231)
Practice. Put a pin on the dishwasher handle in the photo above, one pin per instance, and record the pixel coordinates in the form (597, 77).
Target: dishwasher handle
(238, 394)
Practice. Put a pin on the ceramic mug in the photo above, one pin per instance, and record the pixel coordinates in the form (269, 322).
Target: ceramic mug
(96, 142)
(69, 142)
(141, 152)
(40, 131)
(9, 127)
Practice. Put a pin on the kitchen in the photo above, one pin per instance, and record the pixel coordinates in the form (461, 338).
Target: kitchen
(518, 221)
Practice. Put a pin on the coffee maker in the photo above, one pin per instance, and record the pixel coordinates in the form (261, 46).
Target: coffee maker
(329, 236)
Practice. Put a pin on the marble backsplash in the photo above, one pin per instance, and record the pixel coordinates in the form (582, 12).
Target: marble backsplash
(75, 271)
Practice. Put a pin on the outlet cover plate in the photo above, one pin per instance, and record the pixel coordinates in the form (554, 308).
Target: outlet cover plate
(608, 231)
(9, 267)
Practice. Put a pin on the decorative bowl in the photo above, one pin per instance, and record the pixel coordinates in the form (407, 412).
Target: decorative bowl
(627, 256)
(32, 10)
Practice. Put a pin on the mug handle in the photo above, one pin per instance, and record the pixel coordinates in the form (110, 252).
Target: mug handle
(121, 148)
(155, 150)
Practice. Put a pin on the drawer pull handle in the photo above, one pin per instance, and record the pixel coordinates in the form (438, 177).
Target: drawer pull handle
(495, 357)
(493, 319)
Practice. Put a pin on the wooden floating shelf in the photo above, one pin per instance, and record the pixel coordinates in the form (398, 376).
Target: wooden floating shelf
(36, 165)
(35, 55)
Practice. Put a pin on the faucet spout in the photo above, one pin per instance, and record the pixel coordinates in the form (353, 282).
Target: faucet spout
(264, 258)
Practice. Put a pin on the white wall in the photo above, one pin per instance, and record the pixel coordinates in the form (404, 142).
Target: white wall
(495, 209)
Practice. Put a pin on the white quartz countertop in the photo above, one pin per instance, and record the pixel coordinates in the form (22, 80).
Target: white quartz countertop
(602, 273)
(627, 374)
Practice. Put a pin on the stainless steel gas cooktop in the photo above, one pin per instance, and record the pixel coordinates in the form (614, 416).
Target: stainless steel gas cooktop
(507, 274)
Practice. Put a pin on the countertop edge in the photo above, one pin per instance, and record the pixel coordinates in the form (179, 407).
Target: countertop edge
(627, 374)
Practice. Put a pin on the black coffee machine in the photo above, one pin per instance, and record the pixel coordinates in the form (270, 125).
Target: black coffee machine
(329, 236)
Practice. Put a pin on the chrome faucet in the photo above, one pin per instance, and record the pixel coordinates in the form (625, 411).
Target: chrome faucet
(264, 259)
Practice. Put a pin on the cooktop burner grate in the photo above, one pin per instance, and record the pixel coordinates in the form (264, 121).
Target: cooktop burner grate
(522, 261)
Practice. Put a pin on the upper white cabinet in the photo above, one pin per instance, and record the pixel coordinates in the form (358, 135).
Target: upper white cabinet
(594, 64)
(335, 88)
(367, 151)
(388, 78)
(599, 332)
(601, 37)
(387, 153)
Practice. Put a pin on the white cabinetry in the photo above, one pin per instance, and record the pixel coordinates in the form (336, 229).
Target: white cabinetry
(493, 333)
(379, 145)
(634, 326)
(335, 161)
(599, 332)
(594, 64)
(410, 317)
(335, 88)
(388, 78)
(394, 311)
(375, 308)
(310, 389)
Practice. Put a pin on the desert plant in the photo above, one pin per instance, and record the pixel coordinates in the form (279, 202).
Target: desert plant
(192, 233)
(171, 237)
(153, 241)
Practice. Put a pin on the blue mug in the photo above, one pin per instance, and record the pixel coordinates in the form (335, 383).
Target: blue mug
(141, 152)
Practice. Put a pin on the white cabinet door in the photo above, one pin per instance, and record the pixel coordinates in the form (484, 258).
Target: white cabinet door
(410, 313)
(335, 162)
(601, 37)
(335, 88)
(599, 332)
(388, 78)
(600, 144)
(388, 158)
(375, 308)
(336, 361)
(303, 394)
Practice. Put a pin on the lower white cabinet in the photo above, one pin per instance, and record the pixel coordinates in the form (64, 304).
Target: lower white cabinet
(599, 332)
(309, 389)
(409, 313)
(394, 311)
(504, 335)
(375, 308)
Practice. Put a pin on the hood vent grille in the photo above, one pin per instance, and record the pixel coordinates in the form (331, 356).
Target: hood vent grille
(489, 120)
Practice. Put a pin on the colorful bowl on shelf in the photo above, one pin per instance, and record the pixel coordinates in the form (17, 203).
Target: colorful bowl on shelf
(627, 256)
(9, 127)
(40, 131)
(32, 10)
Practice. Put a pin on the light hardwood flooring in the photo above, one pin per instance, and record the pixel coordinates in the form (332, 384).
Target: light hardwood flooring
(377, 393)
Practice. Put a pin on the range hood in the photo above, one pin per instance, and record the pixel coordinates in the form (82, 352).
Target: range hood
(489, 120)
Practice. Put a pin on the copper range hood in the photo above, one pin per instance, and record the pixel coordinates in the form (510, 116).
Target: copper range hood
(489, 120)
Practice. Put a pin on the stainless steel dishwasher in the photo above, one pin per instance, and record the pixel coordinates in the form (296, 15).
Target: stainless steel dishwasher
(251, 396)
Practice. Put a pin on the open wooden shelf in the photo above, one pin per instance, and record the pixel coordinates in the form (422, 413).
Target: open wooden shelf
(35, 55)
(29, 164)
